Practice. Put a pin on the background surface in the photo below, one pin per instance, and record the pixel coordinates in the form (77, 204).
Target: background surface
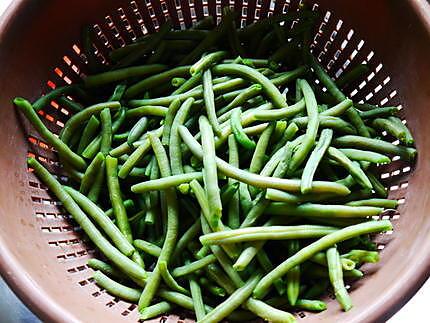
(13, 311)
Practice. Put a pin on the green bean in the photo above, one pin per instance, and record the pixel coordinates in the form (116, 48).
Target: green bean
(138, 154)
(208, 97)
(196, 295)
(249, 73)
(228, 191)
(233, 219)
(156, 80)
(116, 289)
(361, 256)
(322, 210)
(91, 173)
(364, 155)
(183, 241)
(232, 302)
(336, 279)
(377, 145)
(194, 266)
(335, 123)
(175, 153)
(211, 288)
(245, 198)
(63, 150)
(172, 224)
(311, 305)
(257, 160)
(93, 148)
(210, 170)
(122, 74)
(338, 109)
(189, 84)
(169, 280)
(79, 118)
(206, 61)
(379, 112)
(147, 47)
(106, 133)
(178, 81)
(137, 130)
(268, 312)
(168, 121)
(288, 135)
(115, 197)
(353, 168)
(314, 160)
(88, 134)
(118, 92)
(283, 113)
(69, 104)
(242, 97)
(238, 132)
(105, 268)
(113, 254)
(385, 203)
(356, 73)
(407, 139)
(293, 275)
(97, 186)
(379, 188)
(266, 233)
(312, 128)
(148, 110)
(321, 259)
(323, 243)
(258, 180)
(390, 127)
(325, 79)
(147, 247)
(43, 101)
(102, 220)
(155, 310)
(217, 275)
(165, 182)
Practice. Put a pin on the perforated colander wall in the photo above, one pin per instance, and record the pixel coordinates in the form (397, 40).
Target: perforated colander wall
(336, 45)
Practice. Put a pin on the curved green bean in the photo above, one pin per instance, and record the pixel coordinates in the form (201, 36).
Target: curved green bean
(166, 182)
(336, 278)
(238, 132)
(137, 130)
(147, 247)
(46, 99)
(116, 289)
(88, 134)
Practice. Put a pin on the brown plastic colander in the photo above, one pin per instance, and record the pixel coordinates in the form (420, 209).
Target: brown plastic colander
(42, 254)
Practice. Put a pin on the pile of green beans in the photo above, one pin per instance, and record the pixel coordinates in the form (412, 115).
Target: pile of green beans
(230, 186)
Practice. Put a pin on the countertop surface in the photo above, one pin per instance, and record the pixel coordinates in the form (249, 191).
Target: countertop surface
(12, 310)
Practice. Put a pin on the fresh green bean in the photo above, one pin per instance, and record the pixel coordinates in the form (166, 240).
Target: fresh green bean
(172, 224)
(63, 150)
(380, 190)
(268, 312)
(390, 127)
(283, 113)
(166, 182)
(335, 123)
(233, 219)
(46, 99)
(106, 133)
(148, 110)
(353, 168)
(257, 159)
(293, 275)
(208, 97)
(361, 256)
(364, 155)
(211, 288)
(246, 72)
(118, 92)
(91, 173)
(196, 295)
(323, 243)
(206, 61)
(121, 261)
(115, 197)
(408, 139)
(317, 289)
(175, 153)
(147, 247)
(102, 220)
(321, 259)
(169, 280)
(379, 112)
(193, 266)
(232, 302)
(97, 185)
(122, 74)
(137, 130)
(88, 134)
(311, 305)
(385, 203)
(336, 279)
(178, 81)
(242, 97)
(189, 84)
(377, 145)
(105, 268)
(155, 310)
(116, 289)
(168, 121)
(238, 132)
(314, 160)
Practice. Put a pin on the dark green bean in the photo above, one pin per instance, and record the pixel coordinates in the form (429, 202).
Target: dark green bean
(238, 132)
(356, 73)
(45, 100)
(91, 173)
(88, 134)
(106, 133)
(379, 112)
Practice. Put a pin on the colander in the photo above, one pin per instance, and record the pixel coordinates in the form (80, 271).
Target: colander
(43, 254)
